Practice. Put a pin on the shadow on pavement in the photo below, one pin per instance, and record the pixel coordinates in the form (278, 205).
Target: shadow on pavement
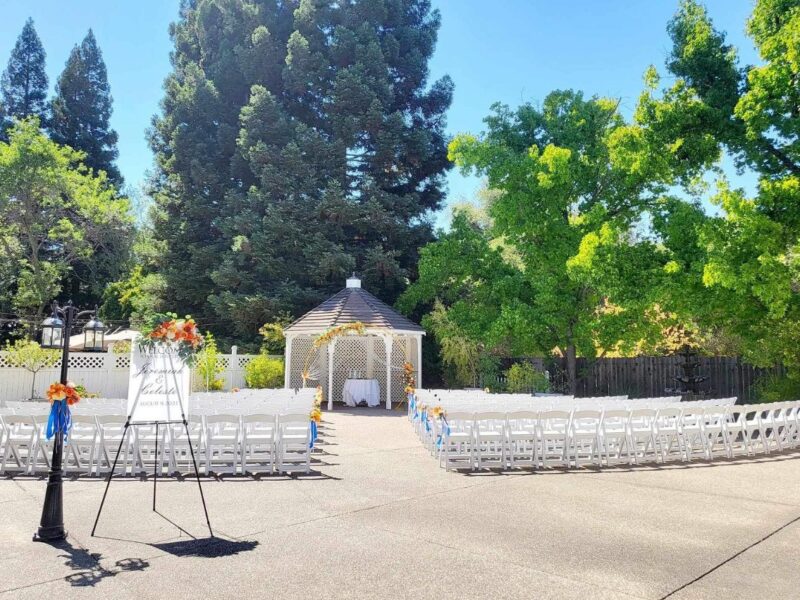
(206, 547)
(88, 570)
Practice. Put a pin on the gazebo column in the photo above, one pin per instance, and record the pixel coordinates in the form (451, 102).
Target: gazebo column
(331, 350)
(287, 367)
(387, 339)
(419, 361)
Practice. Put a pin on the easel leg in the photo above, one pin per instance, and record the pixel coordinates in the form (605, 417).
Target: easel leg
(155, 469)
(110, 475)
(197, 474)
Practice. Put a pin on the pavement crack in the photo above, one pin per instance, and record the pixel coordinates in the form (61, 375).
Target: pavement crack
(730, 558)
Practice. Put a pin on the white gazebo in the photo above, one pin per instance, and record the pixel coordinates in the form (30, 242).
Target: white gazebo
(389, 340)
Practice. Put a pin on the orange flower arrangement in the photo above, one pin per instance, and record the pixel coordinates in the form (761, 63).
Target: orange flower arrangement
(316, 415)
(437, 412)
(180, 334)
(59, 391)
(409, 380)
(318, 397)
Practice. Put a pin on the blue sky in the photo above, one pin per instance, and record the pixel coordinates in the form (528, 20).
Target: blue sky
(511, 51)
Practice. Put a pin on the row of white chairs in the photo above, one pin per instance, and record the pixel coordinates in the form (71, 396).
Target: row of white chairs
(221, 444)
(612, 436)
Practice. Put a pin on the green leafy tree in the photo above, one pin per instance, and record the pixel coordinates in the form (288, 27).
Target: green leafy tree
(299, 141)
(557, 193)
(29, 355)
(24, 81)
(81, 109)
(75, 211)
(737, 272)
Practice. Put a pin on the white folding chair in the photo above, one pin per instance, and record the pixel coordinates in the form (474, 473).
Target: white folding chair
(735, 431)
(21, 443)
(693, 432)
(110, 429)
(642, 435)
(294, 443)
(714, 430)
(521, 432)
(490, 439)
(583, 445)
(80, 449)
(223, 436)
(614, 432)
(457, 440)
(553, 432)
(258, 442)
(179, 452)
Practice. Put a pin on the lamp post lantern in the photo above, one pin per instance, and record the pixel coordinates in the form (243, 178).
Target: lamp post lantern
(94, 334)
(55, 334)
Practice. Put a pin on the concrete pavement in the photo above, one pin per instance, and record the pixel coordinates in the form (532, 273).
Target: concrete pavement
(379, 519)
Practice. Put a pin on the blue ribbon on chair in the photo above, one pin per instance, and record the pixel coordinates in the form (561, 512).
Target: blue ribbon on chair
(313, 433)
(427, 423)
(445, 428)
(59, 420)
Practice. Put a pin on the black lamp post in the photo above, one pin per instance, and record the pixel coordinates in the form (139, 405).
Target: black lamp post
(55, 334)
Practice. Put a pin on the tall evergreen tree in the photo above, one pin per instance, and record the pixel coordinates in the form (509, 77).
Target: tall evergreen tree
(299, 141)
(82, 108)
(24, 82)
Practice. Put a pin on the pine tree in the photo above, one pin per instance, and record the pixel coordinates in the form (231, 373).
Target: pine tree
(82, 108)
(24, 82)
(299, 141)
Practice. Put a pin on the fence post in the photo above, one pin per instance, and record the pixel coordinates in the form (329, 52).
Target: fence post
(233, 363)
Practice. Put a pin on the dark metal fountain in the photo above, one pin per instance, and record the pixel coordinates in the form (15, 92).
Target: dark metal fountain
(689, 381)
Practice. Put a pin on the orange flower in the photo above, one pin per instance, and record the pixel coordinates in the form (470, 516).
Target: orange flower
(59, 391)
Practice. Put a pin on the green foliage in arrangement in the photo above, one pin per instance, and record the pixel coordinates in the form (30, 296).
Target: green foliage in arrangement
(298, 142)
(264, 372)
(523, 377)
(29, 355)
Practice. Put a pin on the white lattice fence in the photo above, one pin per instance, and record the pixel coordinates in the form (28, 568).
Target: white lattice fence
(102, 373)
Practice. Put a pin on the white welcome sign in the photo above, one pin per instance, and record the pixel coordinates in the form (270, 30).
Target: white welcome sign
(158, 389)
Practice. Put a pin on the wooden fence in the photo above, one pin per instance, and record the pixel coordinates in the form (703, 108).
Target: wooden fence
(652, 376)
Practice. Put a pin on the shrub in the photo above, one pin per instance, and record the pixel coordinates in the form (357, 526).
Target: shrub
(522, 377)
(264, 372)
(777, 388)
(208, 367)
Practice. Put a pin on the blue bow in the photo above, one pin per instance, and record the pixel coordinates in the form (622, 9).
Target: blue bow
(60, 420)
(445, 429)
(425, 418)
(313, 433)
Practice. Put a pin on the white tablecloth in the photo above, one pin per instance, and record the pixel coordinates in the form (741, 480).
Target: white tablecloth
(359, 390)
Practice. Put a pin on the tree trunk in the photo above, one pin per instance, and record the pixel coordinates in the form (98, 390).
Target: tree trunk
(572, 370)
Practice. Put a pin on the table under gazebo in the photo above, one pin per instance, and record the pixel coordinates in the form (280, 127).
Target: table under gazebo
(354, 346)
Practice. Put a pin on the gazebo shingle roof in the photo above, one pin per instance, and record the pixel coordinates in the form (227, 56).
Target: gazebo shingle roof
(348, 306)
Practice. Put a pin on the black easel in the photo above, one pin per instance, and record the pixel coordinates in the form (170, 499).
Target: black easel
(128, 425)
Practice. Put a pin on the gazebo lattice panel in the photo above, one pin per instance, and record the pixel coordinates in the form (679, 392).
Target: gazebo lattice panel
(349, 361)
